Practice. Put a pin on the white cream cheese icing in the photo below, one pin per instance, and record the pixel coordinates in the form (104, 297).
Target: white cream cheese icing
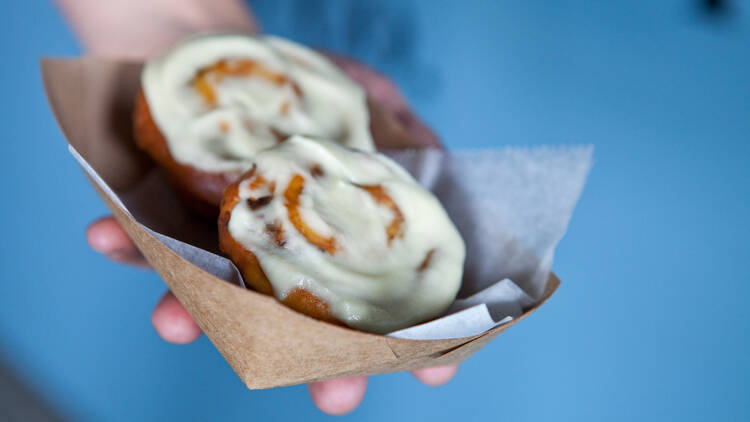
(219, 99)
(383, 253)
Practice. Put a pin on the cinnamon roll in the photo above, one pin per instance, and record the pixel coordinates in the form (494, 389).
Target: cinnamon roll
(342, 235)
(209, 104)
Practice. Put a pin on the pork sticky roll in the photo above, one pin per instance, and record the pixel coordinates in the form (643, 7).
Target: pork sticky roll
(211, 102)
(341, 235)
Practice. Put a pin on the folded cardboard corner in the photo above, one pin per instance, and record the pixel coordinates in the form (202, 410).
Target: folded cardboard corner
(267, 344)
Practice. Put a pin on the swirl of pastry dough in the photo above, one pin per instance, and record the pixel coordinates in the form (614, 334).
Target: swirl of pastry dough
(218, 99)
(342, 235)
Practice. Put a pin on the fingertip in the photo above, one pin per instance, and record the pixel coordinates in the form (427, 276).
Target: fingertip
(339, 396)
(417, 129)
(173, 322)
(435, 376)
(106, 236)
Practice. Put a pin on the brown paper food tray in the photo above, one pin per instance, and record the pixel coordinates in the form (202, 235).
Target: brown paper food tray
(267, 344)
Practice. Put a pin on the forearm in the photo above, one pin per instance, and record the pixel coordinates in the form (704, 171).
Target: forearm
(140, 28)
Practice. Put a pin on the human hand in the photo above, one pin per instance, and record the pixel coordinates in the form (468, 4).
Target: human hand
(141, 28)
(382, 92)
(175, 325)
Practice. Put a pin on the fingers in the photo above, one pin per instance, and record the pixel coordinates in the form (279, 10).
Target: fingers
(436, 376)
(418, 130)
(340, 396)
(107, 237)
(382, 91)
(173, 323)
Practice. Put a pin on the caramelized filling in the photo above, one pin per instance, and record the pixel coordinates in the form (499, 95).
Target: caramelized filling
(396, 228)
(291, 195)
(276, 231)
(224, 126)
(255, 203)
(316, 170)
(280, 137)
(257, 182)
(327, 244)
(206, 78)
(303, 301)
(426, 261)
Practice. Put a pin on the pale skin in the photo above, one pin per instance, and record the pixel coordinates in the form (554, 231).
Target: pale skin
(137, 29)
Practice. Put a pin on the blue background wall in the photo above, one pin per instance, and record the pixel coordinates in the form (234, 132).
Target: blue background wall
(652, 318)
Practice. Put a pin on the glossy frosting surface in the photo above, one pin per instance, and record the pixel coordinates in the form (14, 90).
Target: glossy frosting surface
(219, 99)
(352, 228)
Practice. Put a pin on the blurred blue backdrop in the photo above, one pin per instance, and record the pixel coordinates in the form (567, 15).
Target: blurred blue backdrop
(652, 319)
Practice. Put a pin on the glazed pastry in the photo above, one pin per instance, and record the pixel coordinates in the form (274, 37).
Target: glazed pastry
(341, 235)
(209, 104)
